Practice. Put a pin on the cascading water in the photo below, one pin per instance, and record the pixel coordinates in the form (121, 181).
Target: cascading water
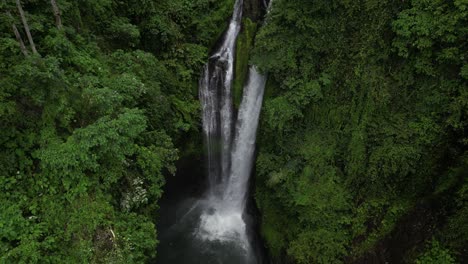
(216, 222)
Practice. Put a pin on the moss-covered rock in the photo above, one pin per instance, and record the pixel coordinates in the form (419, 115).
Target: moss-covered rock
(245, 43)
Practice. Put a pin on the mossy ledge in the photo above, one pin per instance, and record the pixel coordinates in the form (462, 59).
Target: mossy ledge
(244, 45)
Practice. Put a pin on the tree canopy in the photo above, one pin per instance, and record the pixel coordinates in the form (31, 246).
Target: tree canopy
(96, 97)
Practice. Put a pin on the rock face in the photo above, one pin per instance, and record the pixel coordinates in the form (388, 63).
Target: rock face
(254, 9)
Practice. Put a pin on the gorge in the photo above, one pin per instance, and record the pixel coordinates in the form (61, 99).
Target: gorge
(213, 228)
(226, 131)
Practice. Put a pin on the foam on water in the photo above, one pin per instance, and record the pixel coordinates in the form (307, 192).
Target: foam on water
(223, 225)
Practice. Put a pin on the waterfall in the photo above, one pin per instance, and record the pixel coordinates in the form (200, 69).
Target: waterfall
(229, 159)
(215, 228)
(223, 221)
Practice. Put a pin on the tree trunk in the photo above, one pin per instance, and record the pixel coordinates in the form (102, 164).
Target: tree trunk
(57, 14)
(18, 35)
(26, 26)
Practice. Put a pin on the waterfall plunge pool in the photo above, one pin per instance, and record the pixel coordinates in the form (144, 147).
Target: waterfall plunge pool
(180, 214)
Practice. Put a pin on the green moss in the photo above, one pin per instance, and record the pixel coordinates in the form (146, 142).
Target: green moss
(243, 48)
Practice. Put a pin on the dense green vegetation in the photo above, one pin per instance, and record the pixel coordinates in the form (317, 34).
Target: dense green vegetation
(362, 142)
(93, 108)
(363, 145)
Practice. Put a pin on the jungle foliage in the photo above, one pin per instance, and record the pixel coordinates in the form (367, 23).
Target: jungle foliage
(362, 142)
(96, 97)
(363, 138)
